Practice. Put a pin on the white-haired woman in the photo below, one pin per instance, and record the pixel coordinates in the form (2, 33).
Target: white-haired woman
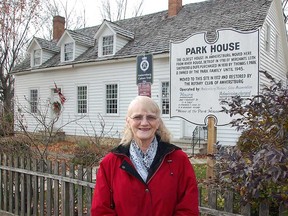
(145, 174)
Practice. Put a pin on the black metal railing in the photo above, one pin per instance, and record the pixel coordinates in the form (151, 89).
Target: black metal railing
(199, 134)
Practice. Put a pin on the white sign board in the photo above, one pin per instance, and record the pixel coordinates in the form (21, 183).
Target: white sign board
(203, 74)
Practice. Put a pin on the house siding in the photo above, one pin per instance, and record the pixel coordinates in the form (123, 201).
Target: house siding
(120, 42)
(120, 68)
(79, 50)
(95, 77)
(46, 56)
(278, 69)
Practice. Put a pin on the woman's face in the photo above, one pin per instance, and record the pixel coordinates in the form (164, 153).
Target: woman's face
(143, 123)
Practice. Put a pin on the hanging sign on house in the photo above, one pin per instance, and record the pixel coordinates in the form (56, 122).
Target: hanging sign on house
(144, 68)
(205, 73)
(144, 89)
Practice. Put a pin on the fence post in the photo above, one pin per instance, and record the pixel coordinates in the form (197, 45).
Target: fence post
(16, 186)
(64, 191)
(35, 188)
(283, 210)
(229, 198)
(80, 191)
(23, 187)
(56, 189)
(71, 191)
(200, 195)
(5, 182)
(10, 179)
(49, 189)
(246, 209)
(89, 190)
(42, 189)
(29, 187)
(264, 208)
(212, 198)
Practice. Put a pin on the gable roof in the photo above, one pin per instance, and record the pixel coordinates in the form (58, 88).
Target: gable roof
(79, 38)
(117, 29)
(45, 44)
(153, 32)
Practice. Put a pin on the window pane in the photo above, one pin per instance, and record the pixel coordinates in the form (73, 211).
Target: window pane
(37, 55)
(82, 99)
(33, 100)
(111, 98)
(68, 51)
(165, 102)
(107, 45)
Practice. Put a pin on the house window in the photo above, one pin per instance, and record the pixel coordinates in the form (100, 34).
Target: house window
(267, 38)
(165, 100)
(33, 100)
(82, 99)
(68, 51)
(112, 99)
(37, 57)
(276, 47)
(107, 45)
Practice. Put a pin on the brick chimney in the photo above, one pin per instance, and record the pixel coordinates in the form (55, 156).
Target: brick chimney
(58, 27)
(174, 7)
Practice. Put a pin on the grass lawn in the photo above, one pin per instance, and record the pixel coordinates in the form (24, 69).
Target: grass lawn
(200, 171)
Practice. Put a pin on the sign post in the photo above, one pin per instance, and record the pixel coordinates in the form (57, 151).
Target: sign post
(211, 140)
(144, 74)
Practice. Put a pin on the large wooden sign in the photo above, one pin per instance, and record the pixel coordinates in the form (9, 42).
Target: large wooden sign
(203, 74)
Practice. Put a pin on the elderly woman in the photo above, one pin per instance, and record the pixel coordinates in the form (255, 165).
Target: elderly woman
(145, 175)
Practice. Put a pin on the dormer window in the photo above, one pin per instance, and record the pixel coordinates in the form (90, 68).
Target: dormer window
(37, 57)
(68, 51)
(107, 45)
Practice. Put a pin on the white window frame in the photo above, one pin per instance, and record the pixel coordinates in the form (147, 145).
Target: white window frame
(68, 50)
(111, 99)
(165, 97)
(107, 45)
(37, 57)
(267, 38)
(82, 100)
(33, 100)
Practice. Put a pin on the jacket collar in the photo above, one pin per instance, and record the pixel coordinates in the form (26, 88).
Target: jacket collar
(163, 148)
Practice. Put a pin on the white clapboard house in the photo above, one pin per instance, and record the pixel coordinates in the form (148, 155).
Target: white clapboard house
(96, 67)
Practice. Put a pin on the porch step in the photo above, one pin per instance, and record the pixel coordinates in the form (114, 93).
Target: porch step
(186, 146)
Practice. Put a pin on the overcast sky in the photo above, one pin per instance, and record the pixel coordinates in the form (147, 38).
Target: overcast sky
(149, 6)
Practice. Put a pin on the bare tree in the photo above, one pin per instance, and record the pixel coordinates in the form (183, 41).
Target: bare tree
(73, 11)
(16, 20)
(119, 11)
(46, 130)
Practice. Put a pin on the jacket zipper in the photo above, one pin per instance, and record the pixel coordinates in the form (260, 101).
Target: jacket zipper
(160, 165)
(132, 166)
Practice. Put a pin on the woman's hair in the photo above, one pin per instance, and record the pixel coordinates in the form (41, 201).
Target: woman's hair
(151, 106)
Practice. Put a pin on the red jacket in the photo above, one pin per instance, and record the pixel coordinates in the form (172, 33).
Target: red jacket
(171, 188)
